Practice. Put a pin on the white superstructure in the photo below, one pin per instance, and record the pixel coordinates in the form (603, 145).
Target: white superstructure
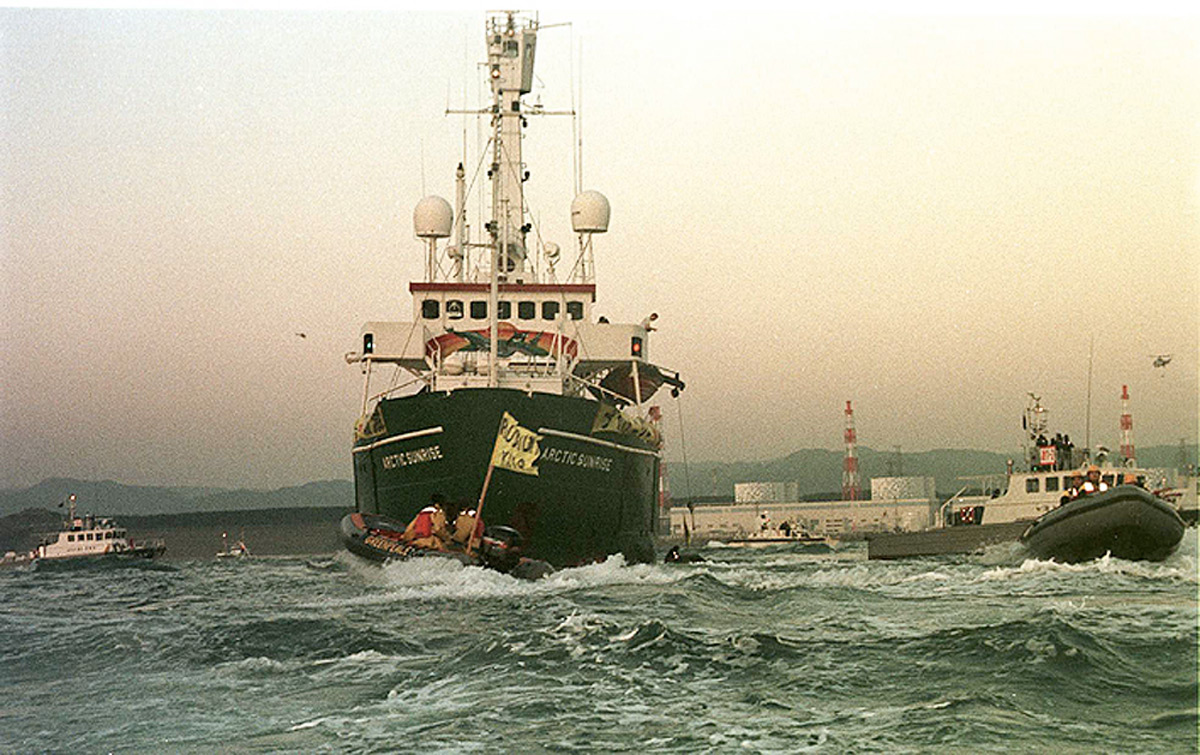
(501, 307)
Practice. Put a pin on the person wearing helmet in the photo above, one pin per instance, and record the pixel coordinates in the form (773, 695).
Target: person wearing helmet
(1093, 483)
(1076, 488)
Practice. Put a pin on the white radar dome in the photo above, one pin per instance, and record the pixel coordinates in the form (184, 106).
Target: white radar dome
(433, 218)
(589, 213)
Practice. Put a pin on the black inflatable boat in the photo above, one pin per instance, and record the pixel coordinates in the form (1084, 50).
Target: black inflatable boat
(378, 538)
(1126, 521)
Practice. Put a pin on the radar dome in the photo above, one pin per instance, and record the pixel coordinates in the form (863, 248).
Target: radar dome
(589, 213)
(433, 218)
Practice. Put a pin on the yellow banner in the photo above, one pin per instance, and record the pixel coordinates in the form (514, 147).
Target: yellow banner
(610, 419)
(516, 448)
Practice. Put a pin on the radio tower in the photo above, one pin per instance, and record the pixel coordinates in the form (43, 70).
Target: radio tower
(1126, 430)
(850, 470)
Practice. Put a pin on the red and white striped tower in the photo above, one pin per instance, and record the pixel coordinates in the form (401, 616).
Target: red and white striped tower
(1126, 429)
(850, 469)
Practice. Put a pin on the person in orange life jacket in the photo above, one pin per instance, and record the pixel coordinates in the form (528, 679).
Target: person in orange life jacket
(467, 522)
(429, 528)
(1093, 484)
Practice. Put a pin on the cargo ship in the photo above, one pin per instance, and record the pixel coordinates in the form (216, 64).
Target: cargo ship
(504, 323)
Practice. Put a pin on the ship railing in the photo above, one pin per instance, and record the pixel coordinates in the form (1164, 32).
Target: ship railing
(950, 500)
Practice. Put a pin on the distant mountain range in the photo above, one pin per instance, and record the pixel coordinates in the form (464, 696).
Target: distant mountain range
(114, 499)
(817, 472)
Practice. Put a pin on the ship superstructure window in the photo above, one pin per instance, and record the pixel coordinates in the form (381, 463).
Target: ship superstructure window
(1108, 480)
(526, 310)
(575, 310)
(479, 310)
(430, 309)
(1031, 485)
(454, 309)
(70, 538)
(504, 310)
(550, 310)
(1051, 484)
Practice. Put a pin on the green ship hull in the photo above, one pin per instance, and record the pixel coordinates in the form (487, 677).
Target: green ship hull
(594, 494)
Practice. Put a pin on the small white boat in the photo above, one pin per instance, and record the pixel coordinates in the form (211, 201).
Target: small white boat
(784, 534)
(239, 549)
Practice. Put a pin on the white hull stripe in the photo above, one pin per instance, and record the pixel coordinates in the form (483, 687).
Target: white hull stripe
(597, 441)
(398, 438)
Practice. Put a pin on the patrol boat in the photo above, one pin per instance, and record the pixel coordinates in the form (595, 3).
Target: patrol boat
(84, 538)
(500, 325)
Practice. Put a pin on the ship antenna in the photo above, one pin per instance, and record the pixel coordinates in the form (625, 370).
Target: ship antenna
(574, 119)
(1087, 432)
(579, 144)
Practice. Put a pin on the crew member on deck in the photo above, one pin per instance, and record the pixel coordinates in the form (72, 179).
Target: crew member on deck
(429, 528)
(648, 322)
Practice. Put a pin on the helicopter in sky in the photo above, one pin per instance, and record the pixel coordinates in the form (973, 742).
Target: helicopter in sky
(1161, 360)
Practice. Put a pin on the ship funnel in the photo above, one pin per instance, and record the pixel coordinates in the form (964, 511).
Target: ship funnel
(433, 218)
(590, 212)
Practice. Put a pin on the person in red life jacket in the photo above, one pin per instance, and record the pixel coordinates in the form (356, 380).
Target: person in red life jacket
(429, 529)
(467, 522)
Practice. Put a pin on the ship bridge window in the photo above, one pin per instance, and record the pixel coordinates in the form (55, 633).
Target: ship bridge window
(430, 309)
(526, 310)
(454, 309)
(70, 538)
(479, 310)
(1031, 485)
(1051, 484)
(575, 310)
(504, 310)
(550, 310)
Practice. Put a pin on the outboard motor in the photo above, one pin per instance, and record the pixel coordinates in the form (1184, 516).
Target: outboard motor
(501, 548)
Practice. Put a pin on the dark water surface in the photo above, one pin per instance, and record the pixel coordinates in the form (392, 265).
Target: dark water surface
(769, 650)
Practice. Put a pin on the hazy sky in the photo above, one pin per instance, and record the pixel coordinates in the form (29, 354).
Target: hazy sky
(928, 215)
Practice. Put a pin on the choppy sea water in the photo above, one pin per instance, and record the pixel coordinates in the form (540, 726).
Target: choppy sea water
(767, 650)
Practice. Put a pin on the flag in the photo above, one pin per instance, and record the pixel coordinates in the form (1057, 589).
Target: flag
(516, 448)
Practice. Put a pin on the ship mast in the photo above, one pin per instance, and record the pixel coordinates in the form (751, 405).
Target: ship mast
(511, 44)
